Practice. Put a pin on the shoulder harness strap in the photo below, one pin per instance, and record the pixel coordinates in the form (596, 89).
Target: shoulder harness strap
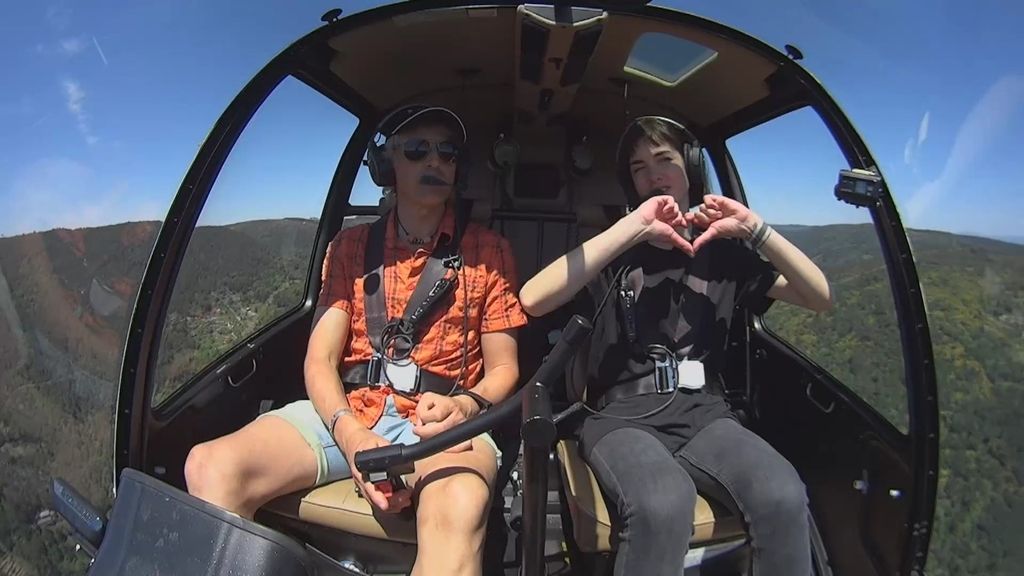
(438, 278)
(374, 301)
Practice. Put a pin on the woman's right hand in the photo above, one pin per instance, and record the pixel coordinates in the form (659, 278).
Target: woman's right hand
(358, 439)
(657, 220)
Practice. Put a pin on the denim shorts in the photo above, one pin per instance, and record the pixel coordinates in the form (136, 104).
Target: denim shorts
(331, 464)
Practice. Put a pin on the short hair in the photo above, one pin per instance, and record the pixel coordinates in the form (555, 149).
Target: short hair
(659, 131)
(652, 130)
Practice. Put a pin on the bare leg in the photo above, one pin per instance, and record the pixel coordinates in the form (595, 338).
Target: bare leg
(451, 514)
(246, 469)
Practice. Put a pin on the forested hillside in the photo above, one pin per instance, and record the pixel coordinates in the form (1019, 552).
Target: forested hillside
(974, 290)
(66, 296)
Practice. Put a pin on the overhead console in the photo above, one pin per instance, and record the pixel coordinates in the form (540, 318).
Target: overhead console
(552, 53)
(553, 48)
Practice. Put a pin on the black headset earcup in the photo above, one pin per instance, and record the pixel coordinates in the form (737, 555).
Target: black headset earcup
(379, 166)
(695, 172)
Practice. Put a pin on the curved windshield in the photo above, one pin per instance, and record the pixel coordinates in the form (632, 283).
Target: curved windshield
(103, 111)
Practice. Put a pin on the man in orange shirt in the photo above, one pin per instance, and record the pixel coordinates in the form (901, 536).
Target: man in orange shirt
(405, 380)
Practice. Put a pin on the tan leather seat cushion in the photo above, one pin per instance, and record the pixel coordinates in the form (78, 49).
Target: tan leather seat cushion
(591, 522)
(338, 505)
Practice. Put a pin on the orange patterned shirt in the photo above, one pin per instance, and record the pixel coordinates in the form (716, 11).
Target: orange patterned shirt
(487, 284)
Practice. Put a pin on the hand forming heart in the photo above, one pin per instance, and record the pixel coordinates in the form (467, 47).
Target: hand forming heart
(661, 222)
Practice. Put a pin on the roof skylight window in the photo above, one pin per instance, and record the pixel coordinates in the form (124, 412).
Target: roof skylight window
(665, 58)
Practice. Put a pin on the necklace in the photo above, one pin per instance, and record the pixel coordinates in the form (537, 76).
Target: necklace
(415, 241)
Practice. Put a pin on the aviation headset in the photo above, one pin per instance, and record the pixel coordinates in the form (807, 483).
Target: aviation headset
(691, 151)
(378, 161)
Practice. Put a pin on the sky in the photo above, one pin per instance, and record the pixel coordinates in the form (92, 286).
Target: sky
(105, 104)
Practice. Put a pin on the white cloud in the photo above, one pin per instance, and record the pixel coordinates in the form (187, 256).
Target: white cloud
(984, 124)
(75, 96)
(63, 193)
(908, 151)
(71, 46)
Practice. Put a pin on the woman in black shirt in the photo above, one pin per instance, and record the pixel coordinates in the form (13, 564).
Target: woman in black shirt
(662, 306)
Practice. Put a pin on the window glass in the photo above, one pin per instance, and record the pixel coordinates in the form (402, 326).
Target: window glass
(248, 259)
(667, 58)
(789, 168)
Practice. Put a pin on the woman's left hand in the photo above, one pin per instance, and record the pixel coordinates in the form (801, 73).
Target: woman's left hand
(722, 218)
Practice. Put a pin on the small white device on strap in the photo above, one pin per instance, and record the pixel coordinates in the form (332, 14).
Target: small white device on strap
(691, 374)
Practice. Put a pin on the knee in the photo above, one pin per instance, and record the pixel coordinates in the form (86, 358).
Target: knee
(208, 472)
(783, 496)
(456, 504)
(666, 508)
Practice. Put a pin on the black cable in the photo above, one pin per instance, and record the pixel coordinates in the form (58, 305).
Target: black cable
(611, 288)
(465, 330)
(638, 417)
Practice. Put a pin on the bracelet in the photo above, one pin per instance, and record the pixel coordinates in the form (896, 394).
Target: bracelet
(756, 231)
(759, 236)
(763, 238)
(336, 416)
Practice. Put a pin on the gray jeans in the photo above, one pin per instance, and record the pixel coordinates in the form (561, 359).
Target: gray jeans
(655, 497)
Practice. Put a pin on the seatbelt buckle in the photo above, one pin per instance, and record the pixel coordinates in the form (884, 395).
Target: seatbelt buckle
(373, 370)
(402, 375)
(666, 374)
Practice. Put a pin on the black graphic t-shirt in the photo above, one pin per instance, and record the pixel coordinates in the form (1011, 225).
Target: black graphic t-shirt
(684, 304)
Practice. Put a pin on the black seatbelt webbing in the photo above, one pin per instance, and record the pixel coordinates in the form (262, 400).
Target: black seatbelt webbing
(432, 286)
(374, 302)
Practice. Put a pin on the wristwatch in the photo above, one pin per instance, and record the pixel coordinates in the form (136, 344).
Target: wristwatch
(484, 403)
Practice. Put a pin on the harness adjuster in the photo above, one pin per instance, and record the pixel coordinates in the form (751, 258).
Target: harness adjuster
(666, 369)
(627, 301)
(373, 370)
(453, 262)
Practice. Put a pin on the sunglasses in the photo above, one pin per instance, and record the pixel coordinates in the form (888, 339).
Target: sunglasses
(416, 149)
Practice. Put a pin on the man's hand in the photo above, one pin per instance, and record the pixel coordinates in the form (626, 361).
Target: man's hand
(723, 218)
(357, 439)
(436, 413)
(657, 221)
